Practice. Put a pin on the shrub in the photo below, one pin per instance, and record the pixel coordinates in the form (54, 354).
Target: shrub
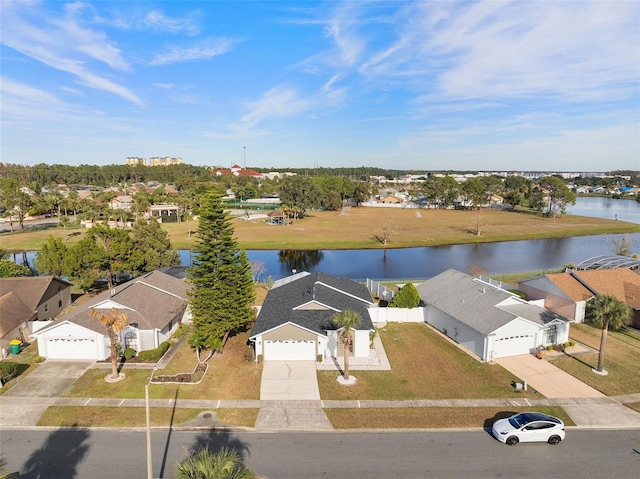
(407, 297)
(319, 358)
(8, 370)
(151, 355)
(129, 353)
(248, 354)
(178, 333)
(259, 358)
(572, 342)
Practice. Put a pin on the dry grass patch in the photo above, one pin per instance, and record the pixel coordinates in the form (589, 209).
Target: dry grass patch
(620, 360)
(426, 418)
(104, 416)
(331, 230)
(424, 366)
(238, 417)
(634, 405)
(230, 376)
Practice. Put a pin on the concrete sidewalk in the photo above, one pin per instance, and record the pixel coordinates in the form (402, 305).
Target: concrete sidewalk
(24, 403)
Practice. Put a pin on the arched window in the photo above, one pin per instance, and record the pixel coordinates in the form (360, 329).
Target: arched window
(131, 340)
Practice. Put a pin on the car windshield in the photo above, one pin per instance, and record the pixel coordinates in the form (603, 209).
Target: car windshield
(519, 420)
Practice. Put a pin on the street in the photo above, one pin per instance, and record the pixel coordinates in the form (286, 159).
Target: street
(92, 453)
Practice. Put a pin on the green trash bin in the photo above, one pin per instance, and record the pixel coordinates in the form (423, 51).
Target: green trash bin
(15, 346)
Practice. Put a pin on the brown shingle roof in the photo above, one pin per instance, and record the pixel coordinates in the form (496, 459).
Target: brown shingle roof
(622, 283)
(13, 312)
(29, 289)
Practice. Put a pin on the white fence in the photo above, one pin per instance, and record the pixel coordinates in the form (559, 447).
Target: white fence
(379, 290)
(397, 315)
(35, 326)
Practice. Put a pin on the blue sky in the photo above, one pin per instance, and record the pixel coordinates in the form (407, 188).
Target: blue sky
(545, 85)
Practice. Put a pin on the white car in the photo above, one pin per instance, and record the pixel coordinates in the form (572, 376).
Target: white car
(528, 427)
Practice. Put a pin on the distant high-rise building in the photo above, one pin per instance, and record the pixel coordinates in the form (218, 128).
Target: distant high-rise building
(166, 161)
(134, 160)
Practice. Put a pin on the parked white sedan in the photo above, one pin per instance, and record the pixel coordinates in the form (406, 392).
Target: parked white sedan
(528, 427)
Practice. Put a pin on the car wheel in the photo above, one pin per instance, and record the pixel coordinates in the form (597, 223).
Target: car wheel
(553, 440)
(512, 441)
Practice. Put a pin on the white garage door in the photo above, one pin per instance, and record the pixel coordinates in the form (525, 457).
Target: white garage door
(64, 348)
(290, 350)
(513, 345)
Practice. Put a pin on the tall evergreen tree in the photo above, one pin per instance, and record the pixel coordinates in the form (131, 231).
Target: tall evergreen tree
(221, 281)
(151, 248)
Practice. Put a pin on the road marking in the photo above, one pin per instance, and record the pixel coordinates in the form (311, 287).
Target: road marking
(121, 403)
(88, 401)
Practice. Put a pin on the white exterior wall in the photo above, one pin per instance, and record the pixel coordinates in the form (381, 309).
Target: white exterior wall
(581, 308)
(148, 339)
(397, 315)
(459, 332)
(361, 344)
(70, 331)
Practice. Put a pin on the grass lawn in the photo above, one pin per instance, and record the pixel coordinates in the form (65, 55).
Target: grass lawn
(230, 376)
(420, 418)
(634, 405)
(620, 360)
(424, 366)
(67, 416)
(331, 230)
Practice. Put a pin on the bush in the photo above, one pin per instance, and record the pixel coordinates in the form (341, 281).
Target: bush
(259, 358)
(8, 370)
(407, 297)
(178, 333)
(129, 353)
(151, 355)
(248, 354)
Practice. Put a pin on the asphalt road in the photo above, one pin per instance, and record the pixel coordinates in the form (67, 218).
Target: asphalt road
(114, 453)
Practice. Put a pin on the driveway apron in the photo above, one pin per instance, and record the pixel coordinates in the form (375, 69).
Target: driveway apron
(548, 380)
(25, 402)
(290, 396)
(585, 405)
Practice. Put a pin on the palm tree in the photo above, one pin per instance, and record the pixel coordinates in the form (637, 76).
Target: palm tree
(347, 320)
(203, 464)
(114, 322)
(606, 311)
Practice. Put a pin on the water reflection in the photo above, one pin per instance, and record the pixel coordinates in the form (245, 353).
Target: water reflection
(300, 260)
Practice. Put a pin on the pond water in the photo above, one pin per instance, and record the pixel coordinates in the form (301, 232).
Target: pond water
(413, 263)
(607, 208)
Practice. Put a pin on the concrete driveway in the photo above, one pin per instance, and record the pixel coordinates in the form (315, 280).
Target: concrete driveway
(548, 380)
(25, 402)
(289, 380)
(291, 397)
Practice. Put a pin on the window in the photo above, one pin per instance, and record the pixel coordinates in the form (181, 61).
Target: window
(552, 335)
(131, 340)
(59, 303)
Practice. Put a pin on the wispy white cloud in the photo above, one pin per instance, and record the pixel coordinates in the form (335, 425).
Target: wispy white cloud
(205, 50)
(278, 102)
(64, 44)
(573, 51)
(156, 20)
(10, 88)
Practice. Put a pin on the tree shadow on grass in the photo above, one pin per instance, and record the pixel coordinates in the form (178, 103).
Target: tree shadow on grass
(58, 456)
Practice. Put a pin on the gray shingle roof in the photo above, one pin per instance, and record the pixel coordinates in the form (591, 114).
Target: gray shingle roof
(13, 312)
(477, 304)
(151, 301)
(339, 294)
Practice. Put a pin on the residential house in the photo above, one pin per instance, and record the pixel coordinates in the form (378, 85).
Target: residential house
(568, 293)
(488, 321)
(121, 202)
(236, 170)
(295, 321)
(27, 299)
(156, 303)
